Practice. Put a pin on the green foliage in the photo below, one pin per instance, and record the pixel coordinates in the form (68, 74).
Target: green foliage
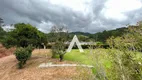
(99, 44)
(103, 36)
(58, 48)
(9, 42)
(126, 65)
(1, 21)
(29, 49)
(132, 40)
(86, 37)
(110, 64)
(22, 55)
(2, 34)
(99, 36)
(24, 35)
(82, 36)
(77, 56)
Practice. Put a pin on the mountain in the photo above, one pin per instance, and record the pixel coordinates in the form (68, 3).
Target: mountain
(81, 33)
(102, 36)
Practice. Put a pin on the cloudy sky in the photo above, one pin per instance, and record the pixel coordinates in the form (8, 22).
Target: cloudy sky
(78, 15)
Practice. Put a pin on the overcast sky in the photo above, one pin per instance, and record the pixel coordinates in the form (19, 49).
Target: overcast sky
(78, 15)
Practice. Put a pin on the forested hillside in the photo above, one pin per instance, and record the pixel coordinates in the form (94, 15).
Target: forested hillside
(100, 36)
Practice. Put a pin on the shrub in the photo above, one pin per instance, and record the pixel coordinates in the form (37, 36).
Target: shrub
(54, 51)
(29, 49)
(22, 55)
(58, 49)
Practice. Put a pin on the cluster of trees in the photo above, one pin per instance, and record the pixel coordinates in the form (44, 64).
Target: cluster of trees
(25, 38)
(131, 40)
(103, 36)
(2, 32)
(124, 54)
(24, 35)
(127, 65)
(1, 21)
(99, 36)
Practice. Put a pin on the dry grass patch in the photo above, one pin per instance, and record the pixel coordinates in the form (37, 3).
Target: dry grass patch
(5, 52)
(9, 71)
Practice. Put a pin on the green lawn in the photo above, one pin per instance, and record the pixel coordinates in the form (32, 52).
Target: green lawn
(75, 55)
(89, 57)
(103, 60)
(100, 56)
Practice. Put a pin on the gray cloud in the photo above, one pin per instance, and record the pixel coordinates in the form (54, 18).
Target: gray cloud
(43, 15)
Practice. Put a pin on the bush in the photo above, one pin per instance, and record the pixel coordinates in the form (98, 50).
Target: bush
(22, 55)
(29, 49)
(54, 51)
(58, 49)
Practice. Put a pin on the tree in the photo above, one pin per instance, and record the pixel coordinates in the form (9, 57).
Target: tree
(22, 55)
(103, 36)
(83, 38)
(131, 40)
(1, 21)
(24, 35)
(2, 34)
(127, 65)
(59, 47)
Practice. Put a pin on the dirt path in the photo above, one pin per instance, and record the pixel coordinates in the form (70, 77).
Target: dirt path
(6, 65)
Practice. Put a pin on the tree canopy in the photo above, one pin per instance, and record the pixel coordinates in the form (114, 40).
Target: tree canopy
(24, 35)
(1, 21)
(2, 34)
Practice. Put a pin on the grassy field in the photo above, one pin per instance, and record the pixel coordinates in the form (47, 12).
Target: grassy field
(100, 56)
(90, 57)
(77, 56)
(105, 61)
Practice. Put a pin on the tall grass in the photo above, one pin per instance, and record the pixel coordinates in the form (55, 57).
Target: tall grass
(109, 64)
